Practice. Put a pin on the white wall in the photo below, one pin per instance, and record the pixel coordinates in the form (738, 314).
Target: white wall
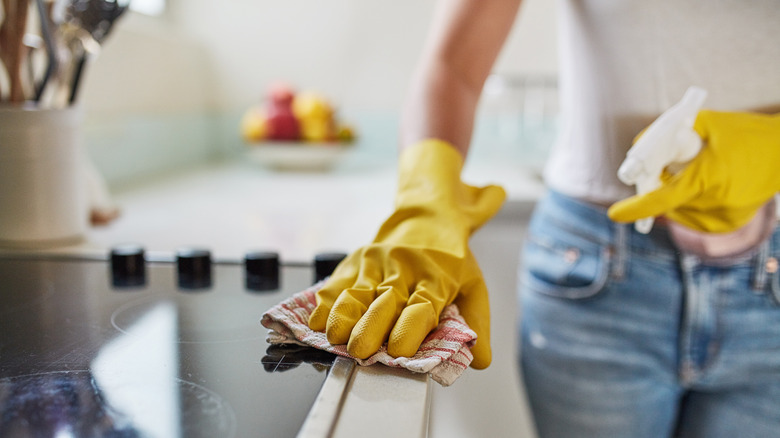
(167, 92)
(223, 54)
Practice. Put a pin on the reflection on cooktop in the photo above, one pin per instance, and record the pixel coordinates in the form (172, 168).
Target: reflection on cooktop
(201, 317)
(81, 357)
(26, 296)
(81, 404)
(288, 356)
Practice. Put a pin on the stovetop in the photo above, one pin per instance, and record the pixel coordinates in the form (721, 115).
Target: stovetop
(132, 346)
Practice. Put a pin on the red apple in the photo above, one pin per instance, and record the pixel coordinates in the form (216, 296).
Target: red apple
(281, 93)
(281, 123)
(283, 126)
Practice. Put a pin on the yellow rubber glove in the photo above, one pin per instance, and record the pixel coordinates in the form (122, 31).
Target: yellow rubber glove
(395, 288)
(723, 187)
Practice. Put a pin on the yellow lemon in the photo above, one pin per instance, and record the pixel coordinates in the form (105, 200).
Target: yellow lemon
(253, 125)
(311, 105)
(317, 129)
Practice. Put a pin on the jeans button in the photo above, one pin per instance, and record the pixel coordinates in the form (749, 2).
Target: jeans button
(771, 265)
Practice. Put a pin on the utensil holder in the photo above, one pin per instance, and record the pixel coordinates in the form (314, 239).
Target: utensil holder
(43, 200)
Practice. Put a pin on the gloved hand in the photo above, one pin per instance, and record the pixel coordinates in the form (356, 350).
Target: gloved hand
(722, 188)
(395, 288)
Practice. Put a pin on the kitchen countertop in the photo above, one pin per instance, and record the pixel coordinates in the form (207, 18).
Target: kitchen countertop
(233, 206)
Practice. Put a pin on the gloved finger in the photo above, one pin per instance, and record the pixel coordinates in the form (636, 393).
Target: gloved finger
(343, 277)
(483, 203)
(378, 273)
(361, 272)
(674, 192)
(419, 317)
(349, 307)
(326, 297)
(474, 307)
(373, 328)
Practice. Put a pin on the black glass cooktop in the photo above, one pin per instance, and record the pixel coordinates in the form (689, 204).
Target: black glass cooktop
(87, 351)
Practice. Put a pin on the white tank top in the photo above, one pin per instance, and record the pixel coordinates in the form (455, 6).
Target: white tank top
(623, 62)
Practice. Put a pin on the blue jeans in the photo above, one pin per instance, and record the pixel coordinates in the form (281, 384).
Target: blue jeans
(623, 336)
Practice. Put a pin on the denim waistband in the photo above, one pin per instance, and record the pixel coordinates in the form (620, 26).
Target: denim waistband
(592, 219)
(601, 229)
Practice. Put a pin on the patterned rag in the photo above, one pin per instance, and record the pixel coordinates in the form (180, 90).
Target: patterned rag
(444, 354)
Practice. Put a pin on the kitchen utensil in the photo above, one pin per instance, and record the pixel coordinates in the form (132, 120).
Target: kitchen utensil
(96, 18)
(51, 49)
(33, 43)
(12, 49)
(3, 43)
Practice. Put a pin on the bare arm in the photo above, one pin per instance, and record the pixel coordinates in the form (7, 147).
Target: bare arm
(462, 46)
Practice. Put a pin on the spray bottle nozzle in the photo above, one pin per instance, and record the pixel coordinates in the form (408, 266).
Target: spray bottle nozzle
(631, 171)
(669, 140)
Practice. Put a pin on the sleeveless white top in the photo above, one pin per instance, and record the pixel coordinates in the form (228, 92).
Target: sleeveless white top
(623, 62)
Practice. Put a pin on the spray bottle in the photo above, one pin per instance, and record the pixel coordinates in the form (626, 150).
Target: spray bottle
(669, 142)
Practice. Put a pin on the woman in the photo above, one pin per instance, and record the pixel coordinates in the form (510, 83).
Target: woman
(624, 334)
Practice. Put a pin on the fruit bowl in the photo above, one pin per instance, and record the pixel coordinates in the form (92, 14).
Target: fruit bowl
(293, 130)
(297, 156)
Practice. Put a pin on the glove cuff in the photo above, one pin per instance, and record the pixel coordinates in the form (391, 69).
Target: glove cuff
(431, 153)
(427, 168)
(429, 184)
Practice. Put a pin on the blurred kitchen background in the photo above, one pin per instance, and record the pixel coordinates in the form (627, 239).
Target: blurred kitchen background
(163, 103)
(170, 85)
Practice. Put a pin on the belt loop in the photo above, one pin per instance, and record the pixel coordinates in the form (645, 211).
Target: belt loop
(760, 271)
(620, 248)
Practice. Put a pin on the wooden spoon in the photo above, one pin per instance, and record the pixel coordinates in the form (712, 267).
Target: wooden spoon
(12, 45)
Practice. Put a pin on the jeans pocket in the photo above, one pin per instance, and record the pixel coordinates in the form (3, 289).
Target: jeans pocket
(566, 266)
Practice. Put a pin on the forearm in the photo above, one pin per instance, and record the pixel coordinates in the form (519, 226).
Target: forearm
(440, 105)
(463, 44)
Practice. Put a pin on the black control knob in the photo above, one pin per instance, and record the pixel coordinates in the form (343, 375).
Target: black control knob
(325, 263)
(194, 268)
(262, 270)
(128, 266)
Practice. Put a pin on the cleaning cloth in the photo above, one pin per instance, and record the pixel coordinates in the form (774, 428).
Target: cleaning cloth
(444, 354)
